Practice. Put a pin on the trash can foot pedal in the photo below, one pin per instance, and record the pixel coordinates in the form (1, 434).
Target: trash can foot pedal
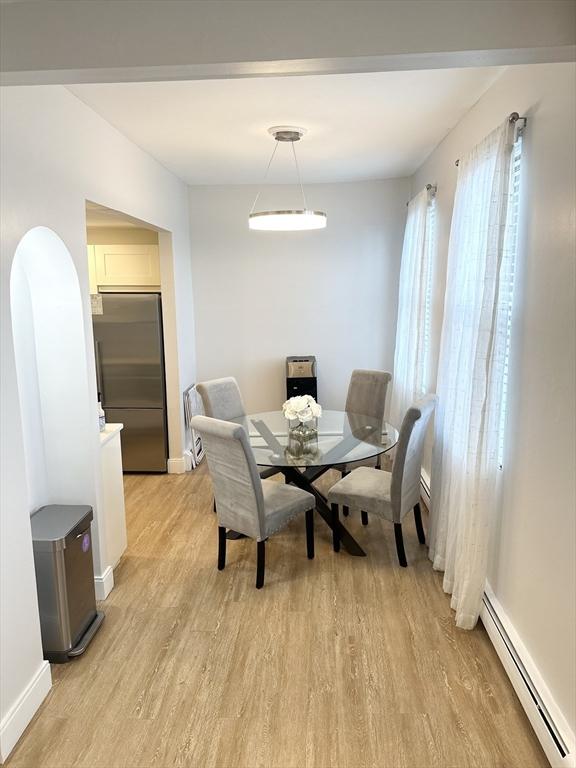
(61, 657)
(82, 644)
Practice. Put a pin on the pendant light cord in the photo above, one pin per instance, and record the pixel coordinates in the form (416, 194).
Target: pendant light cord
(265, 177)
(299, 178)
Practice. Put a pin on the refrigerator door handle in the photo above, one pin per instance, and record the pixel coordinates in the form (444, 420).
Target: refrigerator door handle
(99, 379)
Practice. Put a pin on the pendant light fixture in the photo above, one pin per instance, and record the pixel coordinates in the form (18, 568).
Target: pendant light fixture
(286, 220)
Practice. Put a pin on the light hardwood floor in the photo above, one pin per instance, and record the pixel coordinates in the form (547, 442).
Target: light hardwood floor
(339, 662)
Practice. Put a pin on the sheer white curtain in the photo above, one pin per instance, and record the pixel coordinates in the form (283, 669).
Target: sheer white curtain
(411, 333)
(473, 348)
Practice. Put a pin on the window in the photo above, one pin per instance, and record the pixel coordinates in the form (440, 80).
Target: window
(507, 283)
(413, 326)
(475, 355)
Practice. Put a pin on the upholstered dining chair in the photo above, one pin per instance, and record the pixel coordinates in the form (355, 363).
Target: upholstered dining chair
(367, 392)
(390, 495)
(257, 508)
(222, 399)
(367, 397)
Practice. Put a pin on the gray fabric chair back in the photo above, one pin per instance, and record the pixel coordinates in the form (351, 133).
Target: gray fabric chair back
(237, 484)
(221, 398)
(367, 393)
(405, 486)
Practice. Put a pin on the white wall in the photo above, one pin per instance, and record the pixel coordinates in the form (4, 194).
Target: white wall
(60, 42)
(260, 296)
(533, 569)
(52, 377)
(56, 154)
(27, 371)
(121, 236)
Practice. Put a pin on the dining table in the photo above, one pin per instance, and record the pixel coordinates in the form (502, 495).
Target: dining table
(341, 439)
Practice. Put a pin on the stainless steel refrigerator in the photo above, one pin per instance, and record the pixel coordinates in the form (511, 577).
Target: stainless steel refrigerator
(131, 381)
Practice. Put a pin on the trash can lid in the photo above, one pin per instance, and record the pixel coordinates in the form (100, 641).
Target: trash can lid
(55, 522)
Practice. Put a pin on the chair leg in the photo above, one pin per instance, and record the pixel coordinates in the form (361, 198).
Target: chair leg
(214, 505)
(221, 547)
(400, 544)
(335, 531)
(310, 533)
(364, 516)
(419, 526)
(260, 563)
(345, 510)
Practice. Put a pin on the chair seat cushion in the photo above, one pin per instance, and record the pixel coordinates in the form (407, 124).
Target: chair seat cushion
(282, 503)
(364, 489)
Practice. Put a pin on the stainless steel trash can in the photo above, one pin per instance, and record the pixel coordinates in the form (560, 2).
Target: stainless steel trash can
(301, 376)
(62, 545)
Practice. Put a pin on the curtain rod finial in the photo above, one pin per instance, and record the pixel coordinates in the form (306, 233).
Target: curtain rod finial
(513, 117)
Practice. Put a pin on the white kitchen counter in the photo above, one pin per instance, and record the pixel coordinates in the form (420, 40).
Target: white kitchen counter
(109, 431)
(111, 507)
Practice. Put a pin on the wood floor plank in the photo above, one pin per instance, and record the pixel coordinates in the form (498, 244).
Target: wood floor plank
(339, 662)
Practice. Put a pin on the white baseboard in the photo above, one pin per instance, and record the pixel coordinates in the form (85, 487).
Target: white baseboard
(177, 466)
(529, 685)
(104, 584)
(19, 715)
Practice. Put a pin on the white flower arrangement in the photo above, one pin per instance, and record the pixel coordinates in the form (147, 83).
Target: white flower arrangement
(302, 407)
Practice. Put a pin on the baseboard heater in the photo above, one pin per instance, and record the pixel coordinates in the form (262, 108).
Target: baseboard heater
(425, 485)
(521, 680)
(194, 452)
(530, 687)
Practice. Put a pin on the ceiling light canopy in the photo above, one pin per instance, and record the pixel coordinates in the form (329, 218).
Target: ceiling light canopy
(290, 220)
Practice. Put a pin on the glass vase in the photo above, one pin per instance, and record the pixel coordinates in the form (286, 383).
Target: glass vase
(302, 438)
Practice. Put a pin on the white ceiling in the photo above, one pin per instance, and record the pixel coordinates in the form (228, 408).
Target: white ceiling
(360, 126)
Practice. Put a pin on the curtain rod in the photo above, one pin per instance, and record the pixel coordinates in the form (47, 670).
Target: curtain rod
(513, 117)
(431, 188)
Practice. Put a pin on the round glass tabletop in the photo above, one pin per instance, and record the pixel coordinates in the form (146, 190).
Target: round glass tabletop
(337, 437)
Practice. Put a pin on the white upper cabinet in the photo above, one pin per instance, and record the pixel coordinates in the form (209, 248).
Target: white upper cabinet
(127, 265)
